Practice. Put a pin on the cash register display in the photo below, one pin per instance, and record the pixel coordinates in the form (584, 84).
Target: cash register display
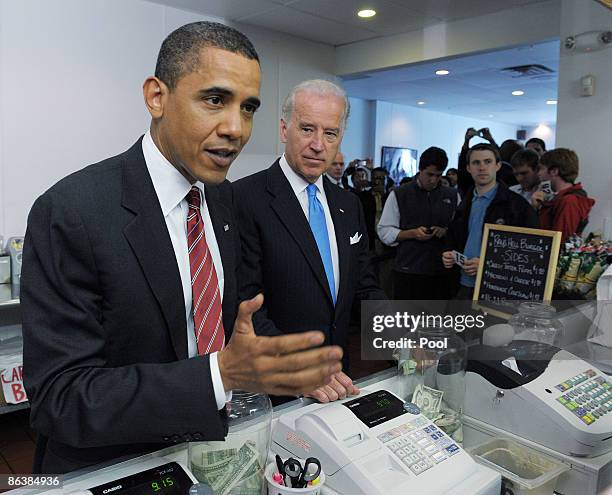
(376, 408)
(169, 479)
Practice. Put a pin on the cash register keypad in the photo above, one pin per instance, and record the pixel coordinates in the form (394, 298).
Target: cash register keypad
(419, 444)
(589, 400)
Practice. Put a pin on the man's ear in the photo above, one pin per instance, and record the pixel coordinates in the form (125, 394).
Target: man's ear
(553, 172)
(155, 92)
(283, 131)
(497, 166)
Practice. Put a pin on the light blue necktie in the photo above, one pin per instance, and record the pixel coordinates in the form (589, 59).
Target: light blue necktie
(316, 218)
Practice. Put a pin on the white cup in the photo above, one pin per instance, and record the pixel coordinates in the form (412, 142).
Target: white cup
(275, 489)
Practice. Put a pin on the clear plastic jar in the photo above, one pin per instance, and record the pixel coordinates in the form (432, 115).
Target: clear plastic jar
(536, 322)
(237, 464)
(433, 378)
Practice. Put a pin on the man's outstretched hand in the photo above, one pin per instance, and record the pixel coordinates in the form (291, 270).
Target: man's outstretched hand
(282, 365)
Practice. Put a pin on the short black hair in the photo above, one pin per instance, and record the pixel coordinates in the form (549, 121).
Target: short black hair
(452, 169)
(380, 169)
(525, 157)
(433, 156)
(180, 51)
(537, 141)
(483, 147)
(508, 148)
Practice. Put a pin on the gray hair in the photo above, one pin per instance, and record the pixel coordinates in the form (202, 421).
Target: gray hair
(180, 52)
(319, 87)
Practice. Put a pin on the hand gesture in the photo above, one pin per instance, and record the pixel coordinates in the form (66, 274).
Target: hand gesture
(284, 365)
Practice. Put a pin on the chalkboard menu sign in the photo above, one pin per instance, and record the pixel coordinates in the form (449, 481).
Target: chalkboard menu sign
(516, 264)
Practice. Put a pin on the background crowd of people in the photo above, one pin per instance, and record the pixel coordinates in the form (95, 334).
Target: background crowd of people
(415, 226)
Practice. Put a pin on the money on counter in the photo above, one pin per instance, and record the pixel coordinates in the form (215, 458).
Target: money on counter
(230, 471)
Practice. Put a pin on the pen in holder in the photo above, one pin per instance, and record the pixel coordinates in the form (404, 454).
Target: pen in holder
(275, 488)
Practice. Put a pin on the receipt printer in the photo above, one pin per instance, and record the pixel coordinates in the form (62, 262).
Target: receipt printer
(543, 394)
(376, 444)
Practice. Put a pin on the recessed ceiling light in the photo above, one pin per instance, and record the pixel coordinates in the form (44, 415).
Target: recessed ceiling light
(442, 72)
(365, 13)
(420, 103)
(518, 92)
(551, 102)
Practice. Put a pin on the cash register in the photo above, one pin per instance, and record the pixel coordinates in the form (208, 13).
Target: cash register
(377, 444)
(541, 393)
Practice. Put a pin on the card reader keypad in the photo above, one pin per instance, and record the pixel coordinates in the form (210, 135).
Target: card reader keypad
(587, 398)
(419, 444)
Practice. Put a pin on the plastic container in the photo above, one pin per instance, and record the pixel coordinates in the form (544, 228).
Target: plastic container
(537, 322)
(236, 465)
(434, 378)
(276, 489)
(525, 471)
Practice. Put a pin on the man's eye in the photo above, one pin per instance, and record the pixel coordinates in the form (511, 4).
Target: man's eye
(215, 100)
(249, 108)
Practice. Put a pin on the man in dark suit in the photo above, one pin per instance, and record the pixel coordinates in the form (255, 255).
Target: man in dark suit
(129, 287)
(304, 241)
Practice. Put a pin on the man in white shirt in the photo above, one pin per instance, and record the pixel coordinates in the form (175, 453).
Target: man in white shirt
(525, 168)
(129, 281)
(334, 174)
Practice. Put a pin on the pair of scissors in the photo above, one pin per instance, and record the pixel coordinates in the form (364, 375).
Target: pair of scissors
(301, 476)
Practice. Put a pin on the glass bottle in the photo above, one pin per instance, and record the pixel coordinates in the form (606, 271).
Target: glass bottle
(432, 376)
(536, 322)
(236, 465)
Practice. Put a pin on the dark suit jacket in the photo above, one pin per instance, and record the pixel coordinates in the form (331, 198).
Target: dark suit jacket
(105, 345)
(368, 201)
(280, 258)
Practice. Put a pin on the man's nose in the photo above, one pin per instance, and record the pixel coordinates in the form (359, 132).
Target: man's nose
(231, 124)
(316, 142)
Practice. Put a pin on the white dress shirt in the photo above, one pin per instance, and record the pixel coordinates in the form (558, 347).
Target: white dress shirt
(299, 185)
(171, 189)
(388, 226)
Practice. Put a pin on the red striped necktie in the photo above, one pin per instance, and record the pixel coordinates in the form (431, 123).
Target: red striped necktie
(206, 299)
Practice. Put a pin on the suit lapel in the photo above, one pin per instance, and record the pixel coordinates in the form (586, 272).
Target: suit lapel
(288, 209)
(338, 208)
(148, 236)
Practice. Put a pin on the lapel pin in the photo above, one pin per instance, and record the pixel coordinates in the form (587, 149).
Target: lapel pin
(226, 227)
(341, 210)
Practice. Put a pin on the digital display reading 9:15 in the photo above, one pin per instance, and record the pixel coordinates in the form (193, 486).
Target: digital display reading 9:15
(162, 483)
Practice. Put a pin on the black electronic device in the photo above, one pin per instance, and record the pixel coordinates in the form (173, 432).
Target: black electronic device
(167, 479)
(376, 408)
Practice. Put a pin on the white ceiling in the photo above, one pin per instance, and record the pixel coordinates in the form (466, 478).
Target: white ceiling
(335, 21)
(474, 88)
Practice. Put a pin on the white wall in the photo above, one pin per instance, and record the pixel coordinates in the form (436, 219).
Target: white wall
(411, 127)
(585, 123)
(71, 73)
(358, 139)
(543, 131)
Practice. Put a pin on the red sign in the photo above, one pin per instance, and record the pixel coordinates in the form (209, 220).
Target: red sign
(12, 385)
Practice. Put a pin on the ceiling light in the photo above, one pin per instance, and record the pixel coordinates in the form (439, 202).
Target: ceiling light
(442, 72)
(490, 116)
(365, 13)
(518, 92)
(551, 102)
(420, 103)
